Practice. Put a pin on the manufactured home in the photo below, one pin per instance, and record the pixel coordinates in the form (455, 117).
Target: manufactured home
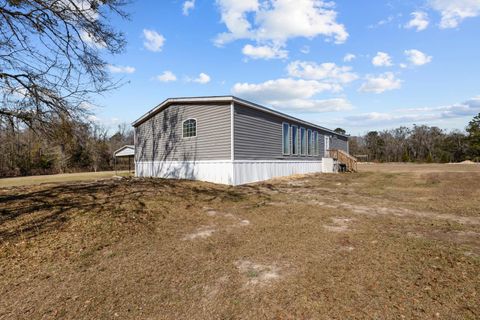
(231, 141)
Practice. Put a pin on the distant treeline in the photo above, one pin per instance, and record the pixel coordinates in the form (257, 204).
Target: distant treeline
(69, 147)
(75, 147)
(419, 143)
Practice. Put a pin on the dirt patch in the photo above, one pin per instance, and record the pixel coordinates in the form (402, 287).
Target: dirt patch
(339, 224)
(402, 212)
(347, 248)
(201, 233)
(244, 222)
(398, 212)
(210, 212)
(276, 204)
(216, 213)
(468, 162)
(256, 274)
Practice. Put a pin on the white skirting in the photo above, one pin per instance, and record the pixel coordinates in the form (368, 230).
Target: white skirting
(225, 171)
(253, 171)
(212, 171)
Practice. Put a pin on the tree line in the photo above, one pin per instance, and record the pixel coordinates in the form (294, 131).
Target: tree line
(420, 143)
(53, 64)
(70, 147)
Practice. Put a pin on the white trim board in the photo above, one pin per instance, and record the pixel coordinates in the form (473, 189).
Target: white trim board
(232, 131)
(228, 172)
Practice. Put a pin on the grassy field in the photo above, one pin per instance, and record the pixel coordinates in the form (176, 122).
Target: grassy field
(57, 178)
(391, 242)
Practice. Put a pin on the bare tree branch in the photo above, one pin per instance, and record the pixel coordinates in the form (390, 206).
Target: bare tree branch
(52, 57)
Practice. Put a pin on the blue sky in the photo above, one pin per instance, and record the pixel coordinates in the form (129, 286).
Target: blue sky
(359, 65)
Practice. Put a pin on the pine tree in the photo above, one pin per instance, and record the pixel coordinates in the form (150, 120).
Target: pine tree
(473, 130)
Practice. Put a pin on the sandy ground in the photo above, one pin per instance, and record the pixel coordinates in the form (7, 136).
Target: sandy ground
(381, 244)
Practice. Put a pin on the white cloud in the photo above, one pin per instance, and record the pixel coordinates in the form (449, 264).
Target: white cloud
(166, 76)
(419, 21)
(153, 40)
(277, 21)
(381, 83)
(234, 16)
(382, 59)
(329, 72)
(305, 50)
(292, 94)
(187, 7)
(415, 115)
(104, 122)
(389, 20)
(264, 52)
(91, 41)
(283, 89)
(202, 78)
(93, 118)
(349, 57)
(120, 69)
(313, 105)
(87, 106)
(85, 6)
(381, 22)
(417, 57)
(381, 118)
(455, 11)
(468, 108)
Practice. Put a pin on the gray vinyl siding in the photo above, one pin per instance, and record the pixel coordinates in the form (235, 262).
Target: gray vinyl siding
(160, 137)
(258, 136)
(339, 142)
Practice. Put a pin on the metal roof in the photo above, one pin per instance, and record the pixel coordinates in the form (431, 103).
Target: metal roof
(225, 99)
(125, 151)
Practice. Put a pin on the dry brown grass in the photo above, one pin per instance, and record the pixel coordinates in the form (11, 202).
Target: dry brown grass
(364, 246)
(58, 178)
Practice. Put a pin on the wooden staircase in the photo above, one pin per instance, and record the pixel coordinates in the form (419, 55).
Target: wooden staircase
(344, 158)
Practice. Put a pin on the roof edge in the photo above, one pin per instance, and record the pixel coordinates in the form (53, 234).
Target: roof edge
(227, 99)
(169, 101)
(124, 147)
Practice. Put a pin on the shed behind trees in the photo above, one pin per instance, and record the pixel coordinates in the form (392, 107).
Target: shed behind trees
(125, 152)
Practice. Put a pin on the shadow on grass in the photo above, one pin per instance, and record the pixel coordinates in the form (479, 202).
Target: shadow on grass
(30, 213)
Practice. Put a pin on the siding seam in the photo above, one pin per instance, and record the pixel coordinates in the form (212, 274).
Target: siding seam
(232, 119)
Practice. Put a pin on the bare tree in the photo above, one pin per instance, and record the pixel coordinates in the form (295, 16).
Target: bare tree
(51, 58)
(123, 136)
(98, 147)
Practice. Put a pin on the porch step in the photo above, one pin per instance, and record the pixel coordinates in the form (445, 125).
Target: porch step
(348, 161)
